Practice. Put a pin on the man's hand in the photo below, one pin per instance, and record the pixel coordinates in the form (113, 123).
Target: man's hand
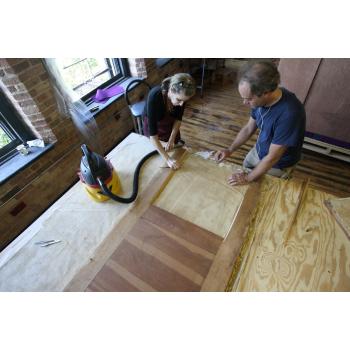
(173, 164)
(221, 155)
(238, 179)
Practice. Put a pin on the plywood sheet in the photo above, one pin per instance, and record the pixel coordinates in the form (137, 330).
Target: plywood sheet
(199, 193)
(315, 257)
(340, 208)
(161, 253)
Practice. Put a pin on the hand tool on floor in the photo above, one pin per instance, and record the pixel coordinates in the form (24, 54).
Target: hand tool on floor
(47, 243)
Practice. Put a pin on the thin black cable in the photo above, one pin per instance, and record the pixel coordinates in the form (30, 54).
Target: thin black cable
(108, 193)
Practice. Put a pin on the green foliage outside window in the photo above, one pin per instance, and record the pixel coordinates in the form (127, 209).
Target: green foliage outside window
(82, 74)
(4, 138)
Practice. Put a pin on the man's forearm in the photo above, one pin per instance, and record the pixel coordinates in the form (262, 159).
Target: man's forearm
(242, 137)
(262, 168)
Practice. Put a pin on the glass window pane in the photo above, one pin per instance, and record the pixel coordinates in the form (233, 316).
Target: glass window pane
(4, 138)
(91, 85)
(84, 74)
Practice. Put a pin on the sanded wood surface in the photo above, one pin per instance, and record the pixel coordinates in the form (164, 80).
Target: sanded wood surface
(199, 193)
(340, 208)
(225, 259)
(316, 257)
(160, 253)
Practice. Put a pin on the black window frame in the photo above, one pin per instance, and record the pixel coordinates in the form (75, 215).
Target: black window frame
(122, 66)
(14, 127)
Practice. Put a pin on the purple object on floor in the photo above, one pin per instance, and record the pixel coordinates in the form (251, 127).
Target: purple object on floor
(103, 95)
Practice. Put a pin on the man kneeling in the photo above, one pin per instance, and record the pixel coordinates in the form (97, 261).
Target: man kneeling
(279, 116)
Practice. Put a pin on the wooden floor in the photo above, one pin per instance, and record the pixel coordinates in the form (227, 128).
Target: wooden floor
(160, 253)
(211, 123)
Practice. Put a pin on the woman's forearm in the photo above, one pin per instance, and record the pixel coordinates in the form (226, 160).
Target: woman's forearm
(175, 130)
(156, 143)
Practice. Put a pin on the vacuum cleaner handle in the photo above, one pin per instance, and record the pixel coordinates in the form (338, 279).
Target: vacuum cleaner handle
(86, 152)
(88, 156)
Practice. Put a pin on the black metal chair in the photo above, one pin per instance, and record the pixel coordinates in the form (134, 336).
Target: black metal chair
(137, 108)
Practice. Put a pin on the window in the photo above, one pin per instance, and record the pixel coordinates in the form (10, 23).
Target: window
(13, 131)
(85, 75)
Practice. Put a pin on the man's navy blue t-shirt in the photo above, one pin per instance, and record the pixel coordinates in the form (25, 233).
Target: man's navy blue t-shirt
(283, 125)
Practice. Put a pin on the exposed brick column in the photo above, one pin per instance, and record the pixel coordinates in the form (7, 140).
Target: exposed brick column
(137, 67)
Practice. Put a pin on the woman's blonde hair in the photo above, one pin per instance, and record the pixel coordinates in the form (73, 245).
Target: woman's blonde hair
(179, 83)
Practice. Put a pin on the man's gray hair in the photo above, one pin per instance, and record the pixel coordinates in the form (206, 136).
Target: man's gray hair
(262, 77)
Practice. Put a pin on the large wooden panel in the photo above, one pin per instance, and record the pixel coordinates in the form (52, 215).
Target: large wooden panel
(340, 208)
(160, 253)
(202, 183)
(309, 254)
(328, 104)
(292, 69)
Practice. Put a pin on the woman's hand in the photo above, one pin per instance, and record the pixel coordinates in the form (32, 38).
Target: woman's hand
(221, 155)
(173, 164)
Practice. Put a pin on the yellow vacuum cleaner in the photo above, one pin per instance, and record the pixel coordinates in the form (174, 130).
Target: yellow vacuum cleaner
(100, 179)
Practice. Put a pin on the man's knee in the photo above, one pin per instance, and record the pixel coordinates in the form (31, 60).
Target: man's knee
(246, 164)
(285, 173)
(251, 160)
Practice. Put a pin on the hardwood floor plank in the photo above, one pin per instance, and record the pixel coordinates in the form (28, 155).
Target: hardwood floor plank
(148, 233)
(150, 269)
(187, 231)
(161, 252)
(190, 246)
(110, 280)
(172, 263)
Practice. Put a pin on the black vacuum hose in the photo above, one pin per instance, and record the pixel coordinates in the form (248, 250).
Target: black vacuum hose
(108, 193)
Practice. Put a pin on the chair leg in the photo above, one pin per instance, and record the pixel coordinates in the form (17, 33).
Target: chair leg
(139, 124)
(135, 124)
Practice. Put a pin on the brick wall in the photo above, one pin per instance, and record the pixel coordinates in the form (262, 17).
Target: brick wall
(137, 67)
(26, 85)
